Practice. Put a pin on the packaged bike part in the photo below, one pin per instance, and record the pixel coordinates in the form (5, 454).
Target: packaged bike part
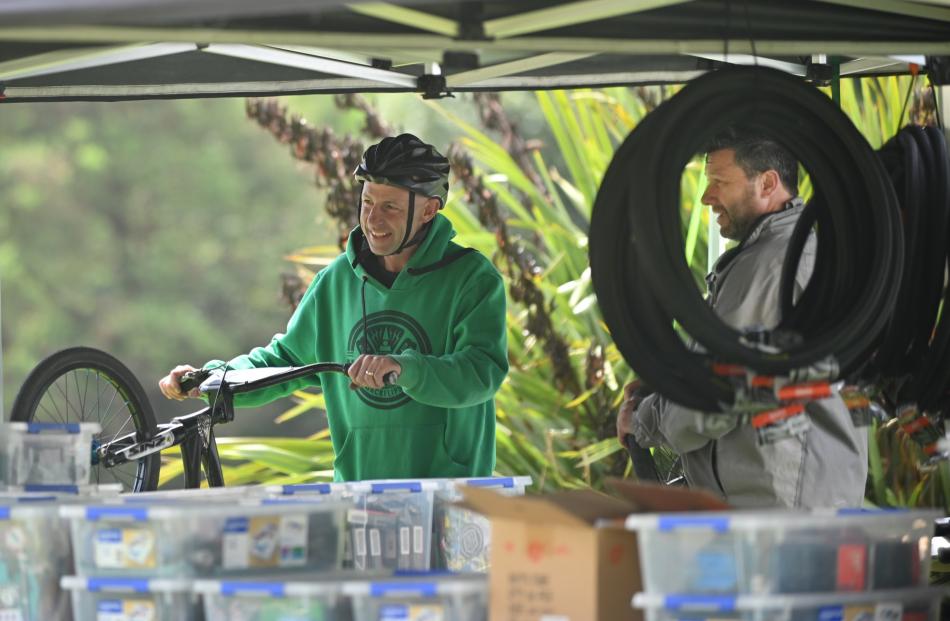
(895, 565)
(390, 524)
(458, 597)
(34, 550)
(131, 599)
(919, 604)
(761, 552)
(46, 454)
(300, 598)
(461, 537)
(190, 539)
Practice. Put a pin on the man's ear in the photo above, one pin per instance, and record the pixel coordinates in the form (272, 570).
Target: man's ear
(768, 183)
(431, 208)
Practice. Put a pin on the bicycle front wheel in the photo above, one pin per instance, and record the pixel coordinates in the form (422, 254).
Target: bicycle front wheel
(82, 384)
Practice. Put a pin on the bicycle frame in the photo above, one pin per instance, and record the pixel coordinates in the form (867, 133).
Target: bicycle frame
(194, 432)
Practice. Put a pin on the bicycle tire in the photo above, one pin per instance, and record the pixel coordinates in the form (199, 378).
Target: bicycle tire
(115, 387)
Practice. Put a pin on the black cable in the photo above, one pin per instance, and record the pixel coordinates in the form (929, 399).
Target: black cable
(636, 223)
(910, 90)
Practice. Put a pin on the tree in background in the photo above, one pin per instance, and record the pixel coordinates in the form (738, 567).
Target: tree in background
(152, 230)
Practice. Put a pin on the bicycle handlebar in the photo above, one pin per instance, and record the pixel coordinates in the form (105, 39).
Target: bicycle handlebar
(246, 380)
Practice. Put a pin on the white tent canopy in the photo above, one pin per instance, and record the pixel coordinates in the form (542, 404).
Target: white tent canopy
(137, 49)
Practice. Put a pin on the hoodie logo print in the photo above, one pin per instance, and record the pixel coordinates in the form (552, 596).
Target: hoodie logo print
(387, 332)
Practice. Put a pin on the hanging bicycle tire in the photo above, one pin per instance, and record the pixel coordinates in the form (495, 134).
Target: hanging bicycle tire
(82, 384)
(637, 251)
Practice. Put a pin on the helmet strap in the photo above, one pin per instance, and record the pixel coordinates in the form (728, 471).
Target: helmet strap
(409, 214)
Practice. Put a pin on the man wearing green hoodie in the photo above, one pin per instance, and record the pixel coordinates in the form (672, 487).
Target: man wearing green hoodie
(403, 301)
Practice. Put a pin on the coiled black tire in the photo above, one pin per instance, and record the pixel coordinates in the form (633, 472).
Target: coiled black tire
(82, 384)
(637, 253)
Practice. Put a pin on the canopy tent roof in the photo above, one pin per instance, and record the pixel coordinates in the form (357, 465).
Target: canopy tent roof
(137, 49)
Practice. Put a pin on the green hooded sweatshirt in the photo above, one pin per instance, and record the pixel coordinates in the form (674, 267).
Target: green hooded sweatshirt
(443, 321)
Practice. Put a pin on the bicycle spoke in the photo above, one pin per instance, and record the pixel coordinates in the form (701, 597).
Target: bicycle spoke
(65, 395)
(82, 398)
(121, 429)
(105, 423)
(119, 476)
(57, 416)
(53, 400)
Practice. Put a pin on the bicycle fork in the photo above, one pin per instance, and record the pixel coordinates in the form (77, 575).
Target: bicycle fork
(198, 450)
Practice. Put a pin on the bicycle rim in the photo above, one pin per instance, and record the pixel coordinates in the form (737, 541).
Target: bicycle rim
(87, 385)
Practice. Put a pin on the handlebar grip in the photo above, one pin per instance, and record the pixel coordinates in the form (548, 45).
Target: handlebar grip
(192, 379)
(643, 465)
(390, 378)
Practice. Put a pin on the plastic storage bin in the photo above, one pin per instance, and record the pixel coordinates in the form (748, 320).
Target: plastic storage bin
(234, 494)
(34, 550)
(46, 455)
(783, 552)
(273, 600)
(186, 539)
(131, 599)
(462, 538)
(921, 604)
(390, 525)
(65, 493)
(308, 490)
(447, 598)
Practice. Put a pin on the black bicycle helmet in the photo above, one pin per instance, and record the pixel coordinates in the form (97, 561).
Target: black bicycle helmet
(407, 162)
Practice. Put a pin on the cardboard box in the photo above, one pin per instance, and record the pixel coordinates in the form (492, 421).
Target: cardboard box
(566, 556)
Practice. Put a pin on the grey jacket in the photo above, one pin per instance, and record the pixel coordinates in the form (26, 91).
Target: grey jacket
(824, 467)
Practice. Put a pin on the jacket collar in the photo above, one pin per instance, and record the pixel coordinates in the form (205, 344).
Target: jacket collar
(431, 250)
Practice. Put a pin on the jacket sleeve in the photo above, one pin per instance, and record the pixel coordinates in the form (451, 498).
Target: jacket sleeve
(289, 349)
(474, 371)
(659, 421)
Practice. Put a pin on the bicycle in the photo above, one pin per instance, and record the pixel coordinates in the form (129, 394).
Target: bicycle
(140, 448)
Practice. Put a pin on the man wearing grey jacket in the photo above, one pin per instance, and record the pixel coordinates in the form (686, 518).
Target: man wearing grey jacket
(752, 190)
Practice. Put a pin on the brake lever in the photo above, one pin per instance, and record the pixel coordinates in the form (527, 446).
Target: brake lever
(192, 379)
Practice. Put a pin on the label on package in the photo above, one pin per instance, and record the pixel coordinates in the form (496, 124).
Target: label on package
(831, 613)
(124, 548)
(357, 516)
(852, 566)
(126, 610)
(790, 427)
(405, 543)
(860, 612)
(418, 539)
(265, 541)
(375, 547)
(412, 612)
(359, 542)
(888, 611)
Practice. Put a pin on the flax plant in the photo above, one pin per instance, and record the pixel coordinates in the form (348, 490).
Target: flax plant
(527, 206)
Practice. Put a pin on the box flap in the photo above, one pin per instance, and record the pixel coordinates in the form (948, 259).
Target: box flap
(576, 508)
(654, 498)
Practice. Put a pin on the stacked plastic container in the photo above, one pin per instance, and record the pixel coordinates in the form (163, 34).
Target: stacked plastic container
(785, 565)
(389, 525)
(347, 598)
(453, 598)
(34, 550)
(54, 457)
(130, 555)
(462, 538)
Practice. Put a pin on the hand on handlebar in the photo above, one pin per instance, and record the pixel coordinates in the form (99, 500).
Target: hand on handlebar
(369, 371)
(170, 386)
